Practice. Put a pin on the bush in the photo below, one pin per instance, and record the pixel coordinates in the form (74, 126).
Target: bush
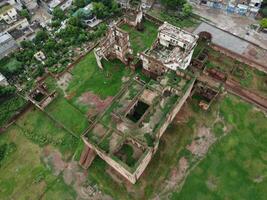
(149, 140)
(263, 23)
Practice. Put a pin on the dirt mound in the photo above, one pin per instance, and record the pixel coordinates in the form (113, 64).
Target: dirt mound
(97, 105)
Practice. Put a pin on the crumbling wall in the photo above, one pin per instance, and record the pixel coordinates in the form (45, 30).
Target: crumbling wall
(175, 110)
(115, 45)
(114, 164)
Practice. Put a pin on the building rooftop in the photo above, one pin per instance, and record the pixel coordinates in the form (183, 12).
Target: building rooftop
(4, 37)
(5, 8)
(2, 77)
(135, 118)
(187, 39)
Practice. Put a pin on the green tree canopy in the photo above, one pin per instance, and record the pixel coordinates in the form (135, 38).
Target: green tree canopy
(100, 10)
(187, 9)
(263, 23)
(79, 3)
(58, 14)
(173, 4)
(25, 13)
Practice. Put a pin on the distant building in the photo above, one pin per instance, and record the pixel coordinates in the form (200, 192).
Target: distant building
(7, 44)
(8, 14)
(88, 17)
(242, 7)
(124, 3)
(3, 81)
(50, 5)
(115, 45)
(30, 4)
(40, 56)
(10, 20)
(173, 49)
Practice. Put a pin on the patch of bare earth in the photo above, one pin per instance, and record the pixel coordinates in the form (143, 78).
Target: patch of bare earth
(200, 145)
(64, 81)
(178, 173)
(73, 175)
(198, 148)
(96, 104)
(183, 115)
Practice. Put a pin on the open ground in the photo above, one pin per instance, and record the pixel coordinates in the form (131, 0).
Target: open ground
(38, 151)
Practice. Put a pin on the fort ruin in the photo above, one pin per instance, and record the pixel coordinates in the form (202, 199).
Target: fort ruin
(172, 50)
(115, 45)
(127, 134)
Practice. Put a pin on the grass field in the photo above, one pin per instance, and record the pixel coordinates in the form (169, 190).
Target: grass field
(87, 76)
(66, 114)
(236, 167)
(41, 130)
(23, 175)
(141, 40)
(171, 148)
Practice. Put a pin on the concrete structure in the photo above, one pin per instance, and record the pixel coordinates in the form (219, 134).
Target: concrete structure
(242, 7)
(10, 20)
(115, 45)
(7, 44)
(40, 56)
(134, 122)
(124, 3)
(50, 5)
(133, 17)
(41, 96)
(3, 81)
(31, 5)
(8, 13)
(173, 49)
(88, 17)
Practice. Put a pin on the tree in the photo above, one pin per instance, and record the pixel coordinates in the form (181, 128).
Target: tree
(263, 11)
(114, 7)
(100, 10)
(173, 4)
(79, 3)
(7, 91)
(186, 10)
(75, 21)
(58, 14)
(41, 36)
(27, 44)
(25, 13)
(263, 23)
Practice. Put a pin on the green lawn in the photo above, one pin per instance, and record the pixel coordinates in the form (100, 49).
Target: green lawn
(23, 175)
(41, 130)
(236, 167)
(141, 40)
(68, 115)
(88, 77)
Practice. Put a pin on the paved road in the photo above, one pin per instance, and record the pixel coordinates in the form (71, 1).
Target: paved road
(234, 44)
(233, 23)
(223, 38)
